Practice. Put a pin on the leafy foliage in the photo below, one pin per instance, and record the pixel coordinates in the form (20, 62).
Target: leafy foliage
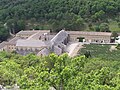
(54, 9)
(60, 11)
(4, 33)
(61, 72)
(15, 25)
(59, 14)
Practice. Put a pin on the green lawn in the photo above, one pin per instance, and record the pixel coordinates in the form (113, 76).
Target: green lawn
(114, 26)
(101, 51)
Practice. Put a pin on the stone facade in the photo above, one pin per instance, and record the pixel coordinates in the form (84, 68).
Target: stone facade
(91, 37)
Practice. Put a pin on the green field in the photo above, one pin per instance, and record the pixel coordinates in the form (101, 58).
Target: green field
(101, 51)
(113, 25)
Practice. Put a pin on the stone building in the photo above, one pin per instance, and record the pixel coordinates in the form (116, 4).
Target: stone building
(3, 46)
(30, 46)
(42, 42)
(57, 44)
(91, 37)
(23, 35)
(32, 41)
(11, 45)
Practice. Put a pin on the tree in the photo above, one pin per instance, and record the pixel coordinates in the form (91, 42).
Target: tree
(15, 25)
(114, 35)
(20, 25)
(9, 72)
(97, 28)
(4, 33)
(119, 24)
(99, 16)
(10, 26)
(70, 22)
(104, 27)
(91, 27)
(87, 54)
(60, 72)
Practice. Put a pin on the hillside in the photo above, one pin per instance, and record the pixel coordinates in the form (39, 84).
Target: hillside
(55, 9)
(95, 68)
(59, 14)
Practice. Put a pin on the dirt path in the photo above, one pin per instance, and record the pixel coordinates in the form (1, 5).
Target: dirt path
(74, 48)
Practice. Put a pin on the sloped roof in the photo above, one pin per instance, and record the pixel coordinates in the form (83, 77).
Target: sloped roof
(60, 37)
(57, 50)
(44, 52)
(2, 45)
(90, 33)
(31, 43)
(14, 40)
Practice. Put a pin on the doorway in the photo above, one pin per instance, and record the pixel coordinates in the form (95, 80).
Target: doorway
(80, 39)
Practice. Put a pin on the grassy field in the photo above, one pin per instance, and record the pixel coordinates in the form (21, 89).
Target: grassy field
(113, 25)
(101, 51)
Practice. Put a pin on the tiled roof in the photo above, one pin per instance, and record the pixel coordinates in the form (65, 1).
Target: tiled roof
(32, 43)
(89, 33)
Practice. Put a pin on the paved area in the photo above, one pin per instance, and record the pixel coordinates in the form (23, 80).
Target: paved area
(74, 48)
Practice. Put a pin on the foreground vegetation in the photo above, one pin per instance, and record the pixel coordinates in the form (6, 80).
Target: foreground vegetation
(61, 72)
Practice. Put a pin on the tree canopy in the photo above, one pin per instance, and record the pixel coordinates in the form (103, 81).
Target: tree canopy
(68, 14)
(55, 9)
(61, 72)
(4, 33)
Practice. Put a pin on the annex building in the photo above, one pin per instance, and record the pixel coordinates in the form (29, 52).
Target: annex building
(91, 37)
(42, 42)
